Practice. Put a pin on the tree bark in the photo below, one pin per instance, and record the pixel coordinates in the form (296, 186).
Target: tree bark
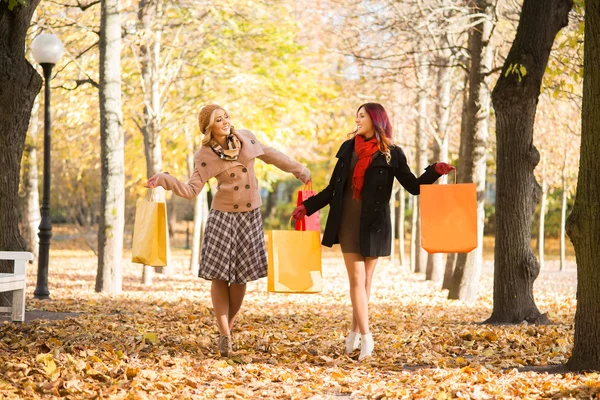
(200, 211)
(413, 236)
(563, 211)
(435, 262)
(583, 224)
(422, 70)
(393, 221)
(112, 199)
(472, 163)
(31, 217)
(401, 217)
(451, 259)
(450, 264)
(515, 98)
(19, 85)
(150, 23)
(543, 202)
(172, 215)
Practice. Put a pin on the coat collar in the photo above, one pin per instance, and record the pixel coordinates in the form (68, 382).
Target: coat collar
(347, 148)
(209, 164)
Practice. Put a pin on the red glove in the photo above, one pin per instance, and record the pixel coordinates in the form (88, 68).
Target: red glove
(442, 168)
(299, 212)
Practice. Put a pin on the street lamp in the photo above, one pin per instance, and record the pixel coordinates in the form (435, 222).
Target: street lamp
(47, 50)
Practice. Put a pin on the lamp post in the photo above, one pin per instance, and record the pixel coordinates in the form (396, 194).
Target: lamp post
(47, 50)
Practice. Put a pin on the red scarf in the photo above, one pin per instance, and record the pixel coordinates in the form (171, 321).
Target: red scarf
(364, 150)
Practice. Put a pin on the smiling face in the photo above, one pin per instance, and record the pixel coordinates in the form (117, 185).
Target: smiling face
(364, 123)
(221, 126)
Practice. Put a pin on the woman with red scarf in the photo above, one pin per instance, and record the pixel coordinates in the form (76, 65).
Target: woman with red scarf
(359, 217)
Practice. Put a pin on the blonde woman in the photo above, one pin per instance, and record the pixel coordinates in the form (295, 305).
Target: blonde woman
(233, 248)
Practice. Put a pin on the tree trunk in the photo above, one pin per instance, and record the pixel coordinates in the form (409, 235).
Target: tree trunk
(583, 224)
(31, 217)
(393, 221)
(200, 211)
(422, 69)
(172, 215)
(515, 99)
(563, 217)
(451, 258)
(435, 262)
(450, 265)
(19, 84)
(472, 164)
(149, 22)
(413, 236)
(112, 199)
(401, 217)
(542, 213)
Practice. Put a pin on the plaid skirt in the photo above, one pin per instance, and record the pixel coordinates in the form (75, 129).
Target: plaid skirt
(233, 247)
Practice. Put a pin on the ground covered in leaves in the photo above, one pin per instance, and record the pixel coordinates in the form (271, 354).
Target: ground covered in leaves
(159, 342)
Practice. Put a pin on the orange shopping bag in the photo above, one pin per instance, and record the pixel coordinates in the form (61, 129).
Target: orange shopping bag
(312, 223)
(449, 218)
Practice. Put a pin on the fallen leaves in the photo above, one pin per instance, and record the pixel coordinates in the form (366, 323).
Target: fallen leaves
(160, 342)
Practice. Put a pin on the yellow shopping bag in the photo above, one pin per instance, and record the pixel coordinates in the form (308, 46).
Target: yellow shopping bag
(150, 232)
(448, 218)
(294, 261)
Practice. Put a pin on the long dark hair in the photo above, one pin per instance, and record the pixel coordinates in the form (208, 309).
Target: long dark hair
(382, 125)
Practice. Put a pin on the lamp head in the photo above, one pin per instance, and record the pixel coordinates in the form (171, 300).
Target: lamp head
(47, 49)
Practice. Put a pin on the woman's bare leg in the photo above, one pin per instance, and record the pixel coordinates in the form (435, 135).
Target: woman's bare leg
(219, 293)
(236, 298)
(370, 264)
(358, 295)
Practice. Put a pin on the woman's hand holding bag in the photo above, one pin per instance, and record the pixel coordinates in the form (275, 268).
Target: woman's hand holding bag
(443, 168)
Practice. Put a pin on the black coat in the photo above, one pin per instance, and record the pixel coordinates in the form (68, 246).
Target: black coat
(375, 222)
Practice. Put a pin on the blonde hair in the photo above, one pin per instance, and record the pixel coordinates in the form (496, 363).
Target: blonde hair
(208, 131)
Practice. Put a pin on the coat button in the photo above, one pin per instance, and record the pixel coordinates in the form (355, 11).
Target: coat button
(333, 193)
(379, 187)
(203, 164)
(339, 179)
(247, 186)
(244, 170)
(342, 164)
(235, 188)
(381, 171)
(375, 210)
(248, 205)
(232, 175)
(377, 202)
(235, 206)
(253, 141)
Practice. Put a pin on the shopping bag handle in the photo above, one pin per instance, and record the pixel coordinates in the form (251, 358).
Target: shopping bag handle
(308, 186)
(302, 224)
(454, 175)
(151, 195)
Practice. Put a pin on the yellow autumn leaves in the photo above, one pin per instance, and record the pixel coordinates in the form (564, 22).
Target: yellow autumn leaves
(161, 343)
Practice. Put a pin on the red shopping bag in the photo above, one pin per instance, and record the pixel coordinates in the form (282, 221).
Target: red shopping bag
(312, 223)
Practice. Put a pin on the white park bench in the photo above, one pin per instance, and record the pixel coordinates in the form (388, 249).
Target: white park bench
(15, 282)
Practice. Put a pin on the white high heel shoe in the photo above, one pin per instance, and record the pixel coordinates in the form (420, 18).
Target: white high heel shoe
(352, 342)
(366, 346)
